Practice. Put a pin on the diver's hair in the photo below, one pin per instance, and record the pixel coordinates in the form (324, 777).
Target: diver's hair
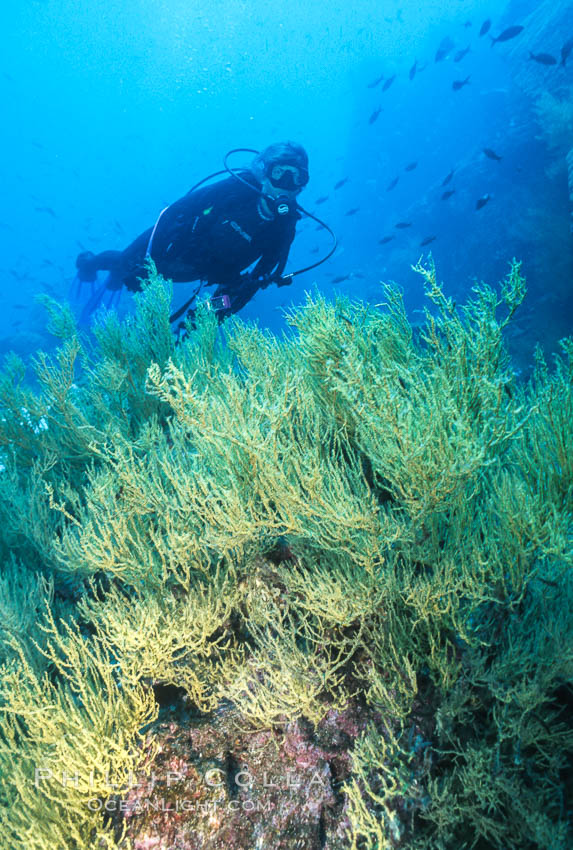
(287, 153)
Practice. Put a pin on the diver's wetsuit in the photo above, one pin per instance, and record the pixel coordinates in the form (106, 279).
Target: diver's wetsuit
(211, 234)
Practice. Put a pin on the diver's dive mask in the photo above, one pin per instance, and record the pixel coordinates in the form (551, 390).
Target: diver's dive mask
(288, 177)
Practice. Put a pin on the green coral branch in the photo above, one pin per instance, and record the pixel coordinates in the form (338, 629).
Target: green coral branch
(362, 513)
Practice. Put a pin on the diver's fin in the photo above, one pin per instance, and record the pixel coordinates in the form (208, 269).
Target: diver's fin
(87, 267)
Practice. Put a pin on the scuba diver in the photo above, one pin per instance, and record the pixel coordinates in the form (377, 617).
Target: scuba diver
(235, 234)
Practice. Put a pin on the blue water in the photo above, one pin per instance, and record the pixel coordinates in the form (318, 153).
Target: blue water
(113, 109)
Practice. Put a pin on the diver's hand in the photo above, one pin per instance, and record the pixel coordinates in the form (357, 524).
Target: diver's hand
(265, 280)
(285, 280)
(278, 279)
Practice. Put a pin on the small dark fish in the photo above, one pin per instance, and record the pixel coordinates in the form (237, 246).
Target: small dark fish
(427, 240)
(411, 166)
(445, 48)
(492, 154)
(352, 211)
(322, 199)
(375, 115)
(566, 50)
(17, 324)
(48, 210)
(460, 54)
(385, 240)
(20, 306)
(485, 27)
(340, 278)
(375, 82)
(318, 227)
(314, 250)
(481, 202)
(507, 35)
(38, 145)
(543, 58)
(392, 184)
(341, 183)
(459, 84)
(448, 194)
(388, 82)
(413, 69)
(119, 229)
(403, 224)
(360, 275)
(447, 179)
(467, 24)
